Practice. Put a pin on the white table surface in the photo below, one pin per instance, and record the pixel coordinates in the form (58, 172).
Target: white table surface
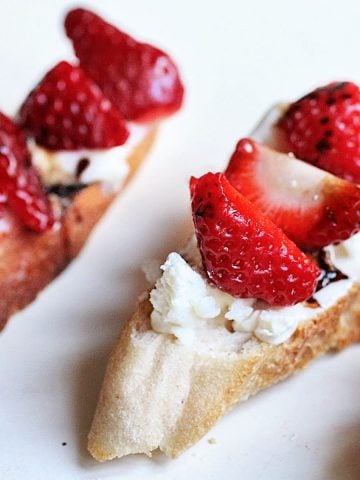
(237, 58)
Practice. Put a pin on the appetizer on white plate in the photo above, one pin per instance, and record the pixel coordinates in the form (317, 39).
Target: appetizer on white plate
(87, 127)
(268, 282)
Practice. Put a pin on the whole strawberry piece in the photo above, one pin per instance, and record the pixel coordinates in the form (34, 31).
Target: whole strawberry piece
(20, 187)
(140, 80)
(313, 207)
(323, 128)
(68, 111)
(243, 252)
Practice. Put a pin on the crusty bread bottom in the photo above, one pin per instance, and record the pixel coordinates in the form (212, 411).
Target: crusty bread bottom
(29, 261)
(158, 393)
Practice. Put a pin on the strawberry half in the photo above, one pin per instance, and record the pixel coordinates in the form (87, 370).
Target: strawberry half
(313, 207)
(20, 186)
(68, 111)
(323, 128)
(140, 80)
(243, 252)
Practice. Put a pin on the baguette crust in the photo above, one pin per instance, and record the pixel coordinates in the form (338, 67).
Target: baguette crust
(158, 393)
(30, 261)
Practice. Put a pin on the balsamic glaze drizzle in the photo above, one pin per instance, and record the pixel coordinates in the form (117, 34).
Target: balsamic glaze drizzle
(65, 191)
(329, 274)
(312, 303)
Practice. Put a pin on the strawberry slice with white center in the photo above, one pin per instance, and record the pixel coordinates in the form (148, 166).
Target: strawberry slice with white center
(313, 207)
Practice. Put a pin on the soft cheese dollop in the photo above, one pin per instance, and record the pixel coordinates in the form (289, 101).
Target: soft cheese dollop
(270, 324)
(184, 304)
(180, 300)
(87, 166)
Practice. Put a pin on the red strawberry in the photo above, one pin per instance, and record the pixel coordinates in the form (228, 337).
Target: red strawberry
(314, 208)
(20, 187)
(67, 111)
(141, 80)
(323, 128)
(243, 252)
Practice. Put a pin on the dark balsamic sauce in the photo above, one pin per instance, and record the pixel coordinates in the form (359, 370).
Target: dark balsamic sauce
(329, 274)
(312, 303)
(82, 165)
(66, 191)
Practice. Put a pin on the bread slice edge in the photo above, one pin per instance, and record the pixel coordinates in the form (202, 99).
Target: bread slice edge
(158, 393)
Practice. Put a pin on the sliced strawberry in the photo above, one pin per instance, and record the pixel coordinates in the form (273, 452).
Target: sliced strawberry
(314, 208)
(243, 252)
(20, 187)
(323, 128)
(68, 111)
(141, 80)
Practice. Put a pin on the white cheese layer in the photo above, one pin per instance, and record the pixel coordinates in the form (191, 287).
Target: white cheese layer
(64, 167)
(184, 304)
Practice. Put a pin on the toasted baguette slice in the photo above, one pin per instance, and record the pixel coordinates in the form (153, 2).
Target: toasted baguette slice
(158, 393)
(29, 261)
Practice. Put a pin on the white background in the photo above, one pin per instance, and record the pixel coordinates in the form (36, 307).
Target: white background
(237, 58)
